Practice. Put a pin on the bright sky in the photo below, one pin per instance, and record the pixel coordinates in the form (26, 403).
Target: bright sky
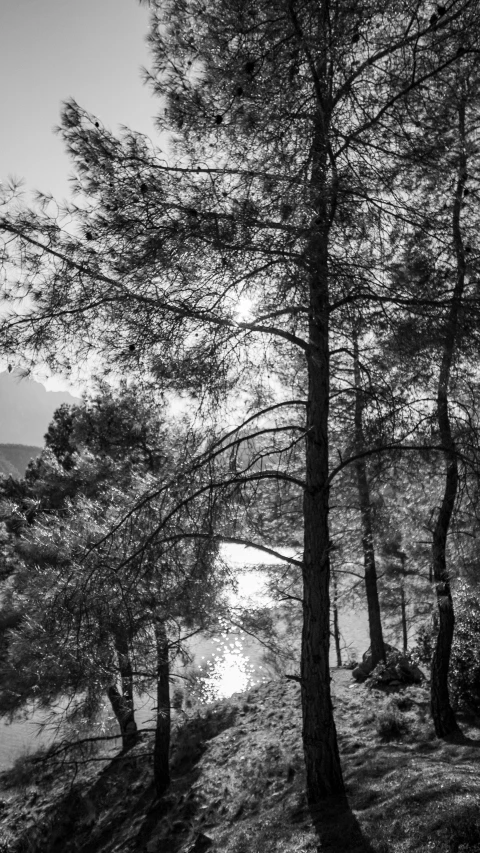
(91, 50)
(50, 50)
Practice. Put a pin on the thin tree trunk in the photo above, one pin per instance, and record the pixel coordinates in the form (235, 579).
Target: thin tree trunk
(161, 749)
(336, 627)
(403, 601)
(122, 701)
(377, 646)
(322, 760)
(442, 711)
(403, 610)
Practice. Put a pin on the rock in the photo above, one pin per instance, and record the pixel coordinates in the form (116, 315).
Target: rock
(360, 673)
(367, 660)
(398, 668)
(363, 670)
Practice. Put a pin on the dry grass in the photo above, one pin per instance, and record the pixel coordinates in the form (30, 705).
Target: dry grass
(238, 779)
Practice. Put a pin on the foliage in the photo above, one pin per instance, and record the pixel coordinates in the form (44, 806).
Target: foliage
(390, 723)
(423, 649)
(464, 676)
(463, 831)
(464, 672)
(88, 586)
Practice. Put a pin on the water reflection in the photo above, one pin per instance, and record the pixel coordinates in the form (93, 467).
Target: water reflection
(235, 664)
(229, 670)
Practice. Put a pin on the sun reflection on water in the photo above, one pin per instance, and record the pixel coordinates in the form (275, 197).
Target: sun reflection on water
(229, 670)
(235, 666)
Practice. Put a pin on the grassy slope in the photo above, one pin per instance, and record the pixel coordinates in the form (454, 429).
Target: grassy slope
(238, 780)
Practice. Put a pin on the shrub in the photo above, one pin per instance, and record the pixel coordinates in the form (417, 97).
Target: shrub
(177, 699)
(390, 723)
(464, 675)
(424, 643)
(465, 659)
(24, 771)
(403, 702)
(464, 831)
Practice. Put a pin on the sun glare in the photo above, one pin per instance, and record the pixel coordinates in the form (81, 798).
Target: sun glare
(243, 309)
(228, 673)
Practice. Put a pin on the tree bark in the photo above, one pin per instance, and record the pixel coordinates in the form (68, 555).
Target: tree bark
(442, 711)
(322, 760)
(161, 749)
(125, 717)
(122, 701)
(377, 646)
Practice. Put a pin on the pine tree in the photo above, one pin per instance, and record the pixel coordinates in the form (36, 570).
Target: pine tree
(285, 125)
(103, 606)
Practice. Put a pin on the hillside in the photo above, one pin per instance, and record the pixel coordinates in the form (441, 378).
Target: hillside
(238, 784)
(14, 458)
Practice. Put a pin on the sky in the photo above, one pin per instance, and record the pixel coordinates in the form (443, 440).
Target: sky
(50, 50)
(26, 409)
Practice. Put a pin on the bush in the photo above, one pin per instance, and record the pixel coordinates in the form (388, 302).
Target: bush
(465, 659)
(464, 675)
(402, 702)
(464, 831)
(177, 699)
(24, 771)
(390, 723)
(424, 644)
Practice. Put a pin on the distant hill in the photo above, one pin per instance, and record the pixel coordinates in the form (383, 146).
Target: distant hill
(26, 409)
(14, 458)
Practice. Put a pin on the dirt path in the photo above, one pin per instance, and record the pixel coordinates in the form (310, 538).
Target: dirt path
(342, 681)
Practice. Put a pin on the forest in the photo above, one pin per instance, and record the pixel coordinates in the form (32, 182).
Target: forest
(277, 306)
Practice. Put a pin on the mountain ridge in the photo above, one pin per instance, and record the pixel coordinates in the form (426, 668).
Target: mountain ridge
(14, 458)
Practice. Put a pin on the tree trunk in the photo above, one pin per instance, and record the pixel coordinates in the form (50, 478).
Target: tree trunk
(161, 749)
(403, 609)
(125, 717)
(322, 760)
(122, 701)
(336, 627)
(442, 711)
(377, 646)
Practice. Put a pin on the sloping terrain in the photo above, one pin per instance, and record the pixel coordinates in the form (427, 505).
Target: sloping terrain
(238, 784)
